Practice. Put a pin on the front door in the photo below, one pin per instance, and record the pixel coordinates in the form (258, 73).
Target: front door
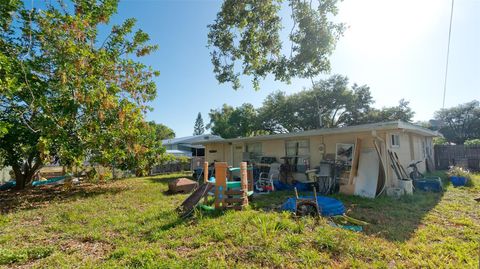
(237, 155)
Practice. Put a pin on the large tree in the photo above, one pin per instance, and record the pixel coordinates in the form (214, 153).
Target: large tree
(66, 93)
(400, 112)
(162, 131)
(230, 122)
(460, 123)
(329, 103)
(198, 128)
(245, 40)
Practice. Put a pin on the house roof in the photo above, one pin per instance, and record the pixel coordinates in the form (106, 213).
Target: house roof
(177, 152)
(188, 140)
(391, 125)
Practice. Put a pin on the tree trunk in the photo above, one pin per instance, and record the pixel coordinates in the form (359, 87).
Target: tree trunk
(24, 176)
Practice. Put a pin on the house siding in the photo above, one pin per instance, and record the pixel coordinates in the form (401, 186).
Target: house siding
(410, 148)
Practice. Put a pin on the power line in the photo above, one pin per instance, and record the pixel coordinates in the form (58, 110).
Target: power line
(448, 53)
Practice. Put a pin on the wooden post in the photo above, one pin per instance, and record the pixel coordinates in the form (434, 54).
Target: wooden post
(205, 180)
(250, 177)
(220, 183)
(244, 182)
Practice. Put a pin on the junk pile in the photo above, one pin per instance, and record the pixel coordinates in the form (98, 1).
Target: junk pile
(415, 179)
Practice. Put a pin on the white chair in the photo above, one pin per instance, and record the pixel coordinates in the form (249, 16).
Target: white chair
(265, 180)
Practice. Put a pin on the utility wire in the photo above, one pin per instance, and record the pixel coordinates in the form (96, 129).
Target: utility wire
(448, 53)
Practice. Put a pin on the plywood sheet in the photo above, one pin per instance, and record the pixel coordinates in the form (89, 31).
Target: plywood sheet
(367, 178)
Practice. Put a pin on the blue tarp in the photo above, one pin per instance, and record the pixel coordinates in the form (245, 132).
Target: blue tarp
(7, 185)
(328, 206)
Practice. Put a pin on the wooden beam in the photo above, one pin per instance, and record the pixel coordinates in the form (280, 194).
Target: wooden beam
(355, 161)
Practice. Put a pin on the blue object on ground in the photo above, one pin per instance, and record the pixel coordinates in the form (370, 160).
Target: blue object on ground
(354, 228)
(433, 184)
(458, 181)
(7, 185)
(328, 206)
(48, 181)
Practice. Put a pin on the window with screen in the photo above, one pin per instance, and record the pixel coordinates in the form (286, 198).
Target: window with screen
(395, 140)
(298, 154)
(254, 151)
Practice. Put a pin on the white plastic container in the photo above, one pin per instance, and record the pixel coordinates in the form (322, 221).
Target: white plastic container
(406, 185)
(395, 192)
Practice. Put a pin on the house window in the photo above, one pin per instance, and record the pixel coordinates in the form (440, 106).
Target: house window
(395, 140)
(254, 151)
(298, 155)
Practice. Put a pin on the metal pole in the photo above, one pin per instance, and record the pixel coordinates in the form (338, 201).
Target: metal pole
(448, 53)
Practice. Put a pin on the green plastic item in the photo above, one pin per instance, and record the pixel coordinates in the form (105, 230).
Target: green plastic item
(354, 228)
(234, 185)
(206, 208)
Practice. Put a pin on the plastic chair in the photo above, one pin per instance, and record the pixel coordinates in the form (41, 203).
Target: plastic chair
(265, 181)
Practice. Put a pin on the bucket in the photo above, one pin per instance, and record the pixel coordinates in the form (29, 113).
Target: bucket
(395, 192)
(406, 185)
(458, 181)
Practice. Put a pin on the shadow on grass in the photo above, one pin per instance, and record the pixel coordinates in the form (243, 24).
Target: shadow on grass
(393, 219)
(176, 220)
(13, 200)
(389, 218)
(167, 178)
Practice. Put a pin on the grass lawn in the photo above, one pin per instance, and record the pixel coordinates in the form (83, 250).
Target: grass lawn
(131, 223)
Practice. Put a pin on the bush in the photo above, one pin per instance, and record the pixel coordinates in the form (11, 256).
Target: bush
(472, 142)
(440, 141)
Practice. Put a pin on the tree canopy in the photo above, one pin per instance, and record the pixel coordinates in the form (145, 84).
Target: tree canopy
(460, 123)
(245, 40)
(198, 128)
(162, 131)
(230, 122)
(66, 93)
(329, 103)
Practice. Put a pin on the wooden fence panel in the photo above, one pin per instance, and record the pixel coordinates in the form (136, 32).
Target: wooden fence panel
(461, 155)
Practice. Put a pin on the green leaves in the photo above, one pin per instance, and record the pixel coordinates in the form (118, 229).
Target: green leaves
(198, 128)
(460, 123)
(229, 122)
(70, 96)
(329, 103)
(246, 36)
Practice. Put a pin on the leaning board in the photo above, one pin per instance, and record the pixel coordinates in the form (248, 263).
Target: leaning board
(367, 175)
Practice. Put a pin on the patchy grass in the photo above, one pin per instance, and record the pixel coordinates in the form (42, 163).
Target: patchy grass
(131, 223)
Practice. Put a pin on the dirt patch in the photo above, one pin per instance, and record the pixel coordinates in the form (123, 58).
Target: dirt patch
(93, 250)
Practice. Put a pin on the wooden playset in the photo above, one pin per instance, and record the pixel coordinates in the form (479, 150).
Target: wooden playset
(227, 194)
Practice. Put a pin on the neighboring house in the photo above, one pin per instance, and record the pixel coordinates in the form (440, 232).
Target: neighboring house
(188, 147)
(309, 149)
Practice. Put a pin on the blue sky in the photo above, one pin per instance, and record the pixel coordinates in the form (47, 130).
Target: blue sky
(398, 48)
